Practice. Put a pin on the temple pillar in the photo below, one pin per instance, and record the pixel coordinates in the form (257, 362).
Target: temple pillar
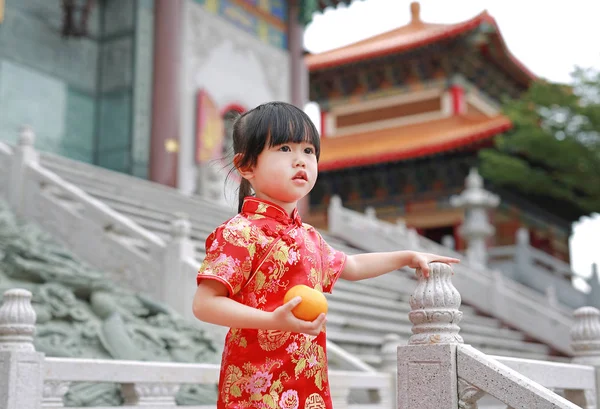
(165, 133)
(298, 72)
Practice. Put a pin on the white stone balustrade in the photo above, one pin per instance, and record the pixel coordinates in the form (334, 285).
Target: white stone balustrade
(28, 380)
(512, 302)
(437, 370)
(544, 273)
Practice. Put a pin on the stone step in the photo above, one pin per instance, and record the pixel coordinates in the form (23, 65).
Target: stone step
(345, 338)
(130, 188)
(382, 327)
(130, 205)
(391, 304)
(382, 314)
(375, 359)
(361, 287)
(470, 335)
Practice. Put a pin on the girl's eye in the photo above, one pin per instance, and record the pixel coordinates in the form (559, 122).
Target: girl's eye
(285, 148)
(309, 151)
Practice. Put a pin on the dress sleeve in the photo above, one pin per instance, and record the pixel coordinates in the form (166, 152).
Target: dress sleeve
(333, 264)
(228, 259)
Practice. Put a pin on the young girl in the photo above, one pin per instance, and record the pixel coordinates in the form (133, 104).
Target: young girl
(271, 358)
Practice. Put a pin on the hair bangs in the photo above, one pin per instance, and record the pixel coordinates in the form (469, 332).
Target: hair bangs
(291, 125)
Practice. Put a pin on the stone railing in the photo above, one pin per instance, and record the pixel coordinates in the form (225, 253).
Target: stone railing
(544, 273)
(5, 157)
(99, 235)
(437, 370)
(29, 380)
(487, 290)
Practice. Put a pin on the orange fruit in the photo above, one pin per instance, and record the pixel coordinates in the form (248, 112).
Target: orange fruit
(313, 302)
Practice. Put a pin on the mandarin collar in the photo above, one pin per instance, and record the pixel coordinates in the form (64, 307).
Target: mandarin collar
(253, 205)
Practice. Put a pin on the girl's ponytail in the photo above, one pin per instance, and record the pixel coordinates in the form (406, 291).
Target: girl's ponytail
(245, 190)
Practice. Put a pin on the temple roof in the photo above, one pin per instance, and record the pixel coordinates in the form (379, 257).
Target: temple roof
(408, 141)
(417, 34)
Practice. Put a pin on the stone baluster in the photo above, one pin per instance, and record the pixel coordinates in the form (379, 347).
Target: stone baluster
(552, 296)
(149, 394)
(179, 280)
(449, 242)
(54, 393)
(585, 342)
(21, 366)
(389, 364)
(339, 396)
(476, 201)
(427, 372)
(594, 282)
(333, 213)
(412, 240)
(523, 258)
(370, 213)
(24, 155)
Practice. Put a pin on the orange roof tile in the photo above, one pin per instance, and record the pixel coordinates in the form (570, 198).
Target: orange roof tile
(415, 34)
(408, 141)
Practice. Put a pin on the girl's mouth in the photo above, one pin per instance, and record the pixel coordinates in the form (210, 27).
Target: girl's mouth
(301, 175)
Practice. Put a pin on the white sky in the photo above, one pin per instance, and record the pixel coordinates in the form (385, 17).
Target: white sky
(548, 37)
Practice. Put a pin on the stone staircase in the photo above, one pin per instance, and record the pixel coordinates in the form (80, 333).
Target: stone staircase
(361, 313)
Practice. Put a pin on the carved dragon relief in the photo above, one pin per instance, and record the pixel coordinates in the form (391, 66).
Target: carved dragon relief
(80, 313)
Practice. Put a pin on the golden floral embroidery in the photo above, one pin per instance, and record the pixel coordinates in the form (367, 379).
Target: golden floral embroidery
(236, 338)
(309, 358)
(270, 340)
(256, 383)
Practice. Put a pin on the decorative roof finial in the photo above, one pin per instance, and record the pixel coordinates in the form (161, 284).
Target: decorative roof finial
(415, 12)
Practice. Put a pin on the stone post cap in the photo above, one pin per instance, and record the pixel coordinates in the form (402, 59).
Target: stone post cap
(434, 307)
(181, 226)
(335, 201)
(585, 334)
(26, 136)
(474, 194)
(17, 321)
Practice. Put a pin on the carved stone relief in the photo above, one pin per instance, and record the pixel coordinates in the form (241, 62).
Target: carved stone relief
(81, 313)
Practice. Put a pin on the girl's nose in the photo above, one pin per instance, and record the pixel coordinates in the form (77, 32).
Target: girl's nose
(300, 163)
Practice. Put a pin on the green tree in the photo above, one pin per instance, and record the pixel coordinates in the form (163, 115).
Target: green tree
(552, 154)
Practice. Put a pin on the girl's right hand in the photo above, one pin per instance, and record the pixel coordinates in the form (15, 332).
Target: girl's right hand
(285, 320)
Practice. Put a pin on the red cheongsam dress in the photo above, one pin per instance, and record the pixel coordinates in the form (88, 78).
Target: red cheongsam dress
(258, 255)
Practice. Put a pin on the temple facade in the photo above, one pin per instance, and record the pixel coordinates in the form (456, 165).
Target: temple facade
(142, 86)
(403, 115)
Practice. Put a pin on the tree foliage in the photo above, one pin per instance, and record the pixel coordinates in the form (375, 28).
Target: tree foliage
(553, 150)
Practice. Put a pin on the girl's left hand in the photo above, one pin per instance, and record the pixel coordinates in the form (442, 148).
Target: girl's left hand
(422, 260)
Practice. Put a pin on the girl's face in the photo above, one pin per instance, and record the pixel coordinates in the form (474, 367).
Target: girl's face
(284, 173)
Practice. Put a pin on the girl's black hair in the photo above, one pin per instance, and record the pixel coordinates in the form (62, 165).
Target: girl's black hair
(274, 123)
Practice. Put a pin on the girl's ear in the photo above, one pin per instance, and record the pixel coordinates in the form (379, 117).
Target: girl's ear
(247, 172)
